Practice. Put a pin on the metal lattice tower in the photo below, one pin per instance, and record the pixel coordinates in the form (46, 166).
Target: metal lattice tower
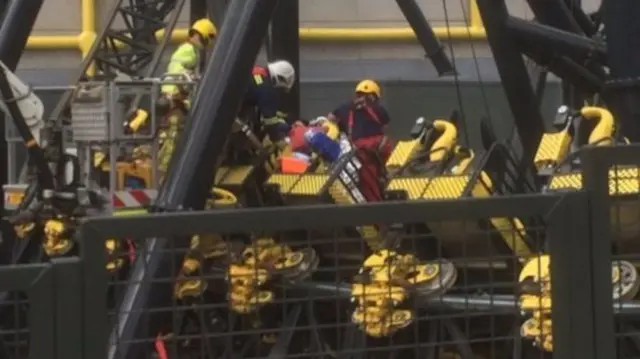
(134, 49)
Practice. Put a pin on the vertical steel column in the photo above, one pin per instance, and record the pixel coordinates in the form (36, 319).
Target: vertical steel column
(527, 118)
(192, 167)
(426, 37)
(623, 96)
(284, 43)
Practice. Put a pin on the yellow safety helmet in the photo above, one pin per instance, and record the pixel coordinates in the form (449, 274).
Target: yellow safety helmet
(205, 28)
(368, 87)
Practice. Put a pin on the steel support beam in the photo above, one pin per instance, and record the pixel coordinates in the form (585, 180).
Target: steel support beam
(284, 43)
(567, 69)
(555, 13)
(528, 120)
(192, 167)
(577, 46)
(587, 25)
(434, 51)
(622, 29)
(566, 15)
(573, 95)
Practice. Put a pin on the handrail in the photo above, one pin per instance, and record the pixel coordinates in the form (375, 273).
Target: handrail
(84, 40)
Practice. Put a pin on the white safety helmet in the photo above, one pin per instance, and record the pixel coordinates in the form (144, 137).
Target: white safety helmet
(282, 74)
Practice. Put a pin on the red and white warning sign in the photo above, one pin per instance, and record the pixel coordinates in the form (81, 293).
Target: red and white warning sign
(134, 198)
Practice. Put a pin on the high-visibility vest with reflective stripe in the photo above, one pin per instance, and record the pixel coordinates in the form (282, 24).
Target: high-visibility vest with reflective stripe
(186, 58)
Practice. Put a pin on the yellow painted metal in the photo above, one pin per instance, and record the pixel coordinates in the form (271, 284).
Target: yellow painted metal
(309, 185)
(511, 230)
(236, 176)
(621, 181)
(553, 148)
(414, 187)
(284, 181)
(129, 212)
(88, 34)
(446, 187)
(220, 174)
(402, 153)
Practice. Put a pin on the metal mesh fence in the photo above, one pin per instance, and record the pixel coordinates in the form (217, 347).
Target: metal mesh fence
(40, 310)
(460, 279)
(612, 176)
(15, 331)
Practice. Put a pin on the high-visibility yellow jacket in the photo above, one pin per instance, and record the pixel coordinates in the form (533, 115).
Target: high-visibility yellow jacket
(185, 59)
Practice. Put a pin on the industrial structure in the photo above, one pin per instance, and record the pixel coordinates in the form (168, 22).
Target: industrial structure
(230, 253)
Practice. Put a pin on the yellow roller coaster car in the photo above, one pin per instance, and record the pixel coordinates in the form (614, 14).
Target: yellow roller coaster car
(558, 161)
(535, 300)
(437, 167)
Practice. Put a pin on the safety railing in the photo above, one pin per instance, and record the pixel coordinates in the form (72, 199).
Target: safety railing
(110, 154)
(84, 40)
(322, 292)
(612, 177)
(41, 310)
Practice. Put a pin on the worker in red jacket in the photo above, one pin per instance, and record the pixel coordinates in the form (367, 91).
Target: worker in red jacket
(365, 120)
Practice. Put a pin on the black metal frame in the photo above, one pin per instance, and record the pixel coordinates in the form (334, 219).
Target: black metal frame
(560, 210)
(434, 51)
(284, 43)
(557, 41)
(193, 164)
(55, 327)
(515, 80)
(623, 90)
(596, 164)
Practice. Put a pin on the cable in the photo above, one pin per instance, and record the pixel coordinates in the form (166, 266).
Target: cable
(463, 120)
(483, 92)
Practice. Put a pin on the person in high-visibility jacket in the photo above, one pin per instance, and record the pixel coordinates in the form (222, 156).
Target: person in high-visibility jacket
(186, 60)
(262, 102)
